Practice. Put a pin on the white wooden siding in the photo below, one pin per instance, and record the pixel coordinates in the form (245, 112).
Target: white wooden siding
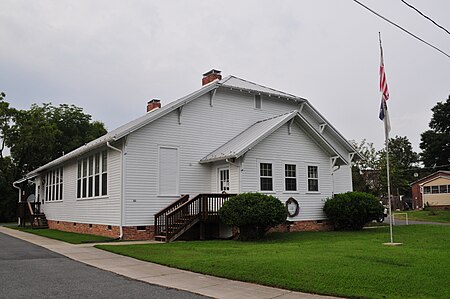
(203, 129)
(297, 148)
(103, 210)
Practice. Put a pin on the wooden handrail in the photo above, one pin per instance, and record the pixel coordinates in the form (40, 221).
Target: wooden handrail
(175, 204)
(199, 208)
(160, 217)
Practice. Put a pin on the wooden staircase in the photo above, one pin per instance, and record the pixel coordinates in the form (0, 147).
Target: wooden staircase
(180, 216)
(29, 212)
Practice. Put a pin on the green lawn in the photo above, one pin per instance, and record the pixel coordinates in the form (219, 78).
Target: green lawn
(349, 264)
(433, 215)
(73, 238)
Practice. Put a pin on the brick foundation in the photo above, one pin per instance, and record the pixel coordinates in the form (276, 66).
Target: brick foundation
(299, 226)
(111, 231)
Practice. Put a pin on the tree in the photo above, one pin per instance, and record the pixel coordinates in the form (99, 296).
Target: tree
(8, 195)
(44, 133)
(6, 114)
(365, 172)
(435, 143)
(402, 163)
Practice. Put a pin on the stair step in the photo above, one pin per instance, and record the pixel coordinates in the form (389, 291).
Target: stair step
(160, 238)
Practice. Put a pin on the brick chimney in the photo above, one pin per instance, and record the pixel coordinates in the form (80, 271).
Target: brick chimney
(153, 104)
(211, 76)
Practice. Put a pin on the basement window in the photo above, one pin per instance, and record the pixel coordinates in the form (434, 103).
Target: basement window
(140, 228)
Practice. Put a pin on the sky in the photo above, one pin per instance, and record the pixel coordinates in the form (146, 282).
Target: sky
(111, 57)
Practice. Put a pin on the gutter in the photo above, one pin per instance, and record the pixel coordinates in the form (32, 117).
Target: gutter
(20, 198)
(121, 187)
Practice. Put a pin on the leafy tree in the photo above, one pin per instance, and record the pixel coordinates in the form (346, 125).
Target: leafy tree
(435, 143)
(402, 163)
(365, 172)
(8, 195)
(6, 114)
(46, 132)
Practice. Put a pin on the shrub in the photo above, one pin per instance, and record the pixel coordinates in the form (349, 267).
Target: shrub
(352, 210)
(253, 213)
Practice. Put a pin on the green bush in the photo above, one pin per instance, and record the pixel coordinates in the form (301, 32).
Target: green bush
(352, 210)
(253, 213)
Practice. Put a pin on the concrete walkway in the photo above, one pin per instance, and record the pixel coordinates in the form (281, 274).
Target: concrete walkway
(156, 274)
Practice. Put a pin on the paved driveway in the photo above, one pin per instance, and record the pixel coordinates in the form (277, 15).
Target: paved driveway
(30, 271)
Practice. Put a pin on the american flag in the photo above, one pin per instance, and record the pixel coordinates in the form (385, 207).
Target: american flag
(384, 95)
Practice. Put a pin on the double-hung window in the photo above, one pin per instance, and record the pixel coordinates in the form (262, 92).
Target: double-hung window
(265, 177)
(92, 176)
(313, 179)
(290, 177)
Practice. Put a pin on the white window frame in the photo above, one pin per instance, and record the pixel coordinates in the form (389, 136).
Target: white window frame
(285, 177)
(272, 176)
(85, 179)
(54, 185)
(177, 177)
(219, 179)
(308, 178)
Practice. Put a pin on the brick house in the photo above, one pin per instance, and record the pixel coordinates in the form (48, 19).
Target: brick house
(433, 189)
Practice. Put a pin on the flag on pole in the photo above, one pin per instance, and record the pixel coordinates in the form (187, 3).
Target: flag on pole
(384, 115)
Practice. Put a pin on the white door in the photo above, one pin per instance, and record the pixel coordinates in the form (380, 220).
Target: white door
(223, 179)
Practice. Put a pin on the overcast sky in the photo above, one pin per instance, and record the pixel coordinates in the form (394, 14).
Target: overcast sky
(111, 57)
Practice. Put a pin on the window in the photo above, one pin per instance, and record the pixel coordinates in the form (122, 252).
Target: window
(92, 176)
(53, 185)
(427, 190)
(258, 101)
(313, 179)
(434, 189)
(290, 177)
(443, 189)
(224, 179)
(265, 174)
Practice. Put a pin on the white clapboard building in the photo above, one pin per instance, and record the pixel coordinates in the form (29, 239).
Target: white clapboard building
(166, 173)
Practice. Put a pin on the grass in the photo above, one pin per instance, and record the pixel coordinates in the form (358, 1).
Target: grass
(349, 264)
(73, 238)
(432, 215)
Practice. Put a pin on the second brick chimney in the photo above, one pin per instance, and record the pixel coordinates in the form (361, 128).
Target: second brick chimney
(153, 104)
(211, 76)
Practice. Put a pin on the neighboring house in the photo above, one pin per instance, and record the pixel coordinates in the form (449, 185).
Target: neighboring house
(433, 190)
(230, 136)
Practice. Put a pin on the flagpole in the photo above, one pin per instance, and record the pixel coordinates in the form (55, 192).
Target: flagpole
(388, 181)
(386, 135)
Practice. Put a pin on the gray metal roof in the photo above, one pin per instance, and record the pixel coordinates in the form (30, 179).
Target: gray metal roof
(228, 82)
(125, 129)
(247, 139)
(241, 84)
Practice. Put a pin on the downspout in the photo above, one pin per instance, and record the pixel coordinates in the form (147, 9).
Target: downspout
(20, 199)
(121, 187)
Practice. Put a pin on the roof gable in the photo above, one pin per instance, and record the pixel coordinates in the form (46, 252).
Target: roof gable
(250, 137)
(431, 177)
